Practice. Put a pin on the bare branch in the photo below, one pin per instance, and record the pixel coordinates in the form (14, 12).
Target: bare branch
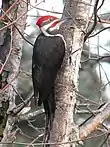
(100, 5)
(10, 8)
(23, 104)
(99, 32)
(95, 21)
(41, 8)
(30, 115)
(96, 121)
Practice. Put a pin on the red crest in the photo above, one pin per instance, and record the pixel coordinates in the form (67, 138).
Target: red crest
(43, 18)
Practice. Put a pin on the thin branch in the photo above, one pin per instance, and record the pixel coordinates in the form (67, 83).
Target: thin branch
(102, 87)
(99, 32)
(105, 140)
(41, 8)
(23, 134)
(86, 99)
(100, 5)
(92, 56)
(26, 73)
(30, 115)
(8, 25)
(39, 130)
(23, 36)
(94, 23)
(55, 143)
(87, 112)
(18, 93)
(93, 114)
(10, 8)
(23, 104)
(7, 85)
(96, 121)
(31, 144)
(18, 30)
(105, 73)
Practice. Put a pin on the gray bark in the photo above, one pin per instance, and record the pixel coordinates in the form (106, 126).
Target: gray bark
(13, 65)
(64, 128)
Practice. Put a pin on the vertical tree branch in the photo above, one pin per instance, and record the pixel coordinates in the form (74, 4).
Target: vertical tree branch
(13, 66)
(64, 128)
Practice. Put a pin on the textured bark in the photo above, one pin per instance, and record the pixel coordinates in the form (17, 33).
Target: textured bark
(64, 128)
(4, 49)
(13, 65)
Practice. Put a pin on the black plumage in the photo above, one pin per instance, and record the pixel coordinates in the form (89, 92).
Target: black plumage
(48, 53)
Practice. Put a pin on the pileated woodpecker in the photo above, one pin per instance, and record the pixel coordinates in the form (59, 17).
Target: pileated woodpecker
(48, 53)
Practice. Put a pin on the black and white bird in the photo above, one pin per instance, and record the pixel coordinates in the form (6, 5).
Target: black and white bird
(48, 53)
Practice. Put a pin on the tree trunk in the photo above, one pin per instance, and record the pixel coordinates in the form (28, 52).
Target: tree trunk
(64, 128)
(12, 65)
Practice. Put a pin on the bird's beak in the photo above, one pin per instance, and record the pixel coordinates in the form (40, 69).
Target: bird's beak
(62, 20)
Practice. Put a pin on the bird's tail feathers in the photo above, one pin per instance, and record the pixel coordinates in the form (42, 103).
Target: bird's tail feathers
(49, 106)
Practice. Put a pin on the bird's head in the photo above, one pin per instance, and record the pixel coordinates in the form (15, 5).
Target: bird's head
(49, 25)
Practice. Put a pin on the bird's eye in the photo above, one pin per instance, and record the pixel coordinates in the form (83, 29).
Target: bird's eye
(50, 19)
